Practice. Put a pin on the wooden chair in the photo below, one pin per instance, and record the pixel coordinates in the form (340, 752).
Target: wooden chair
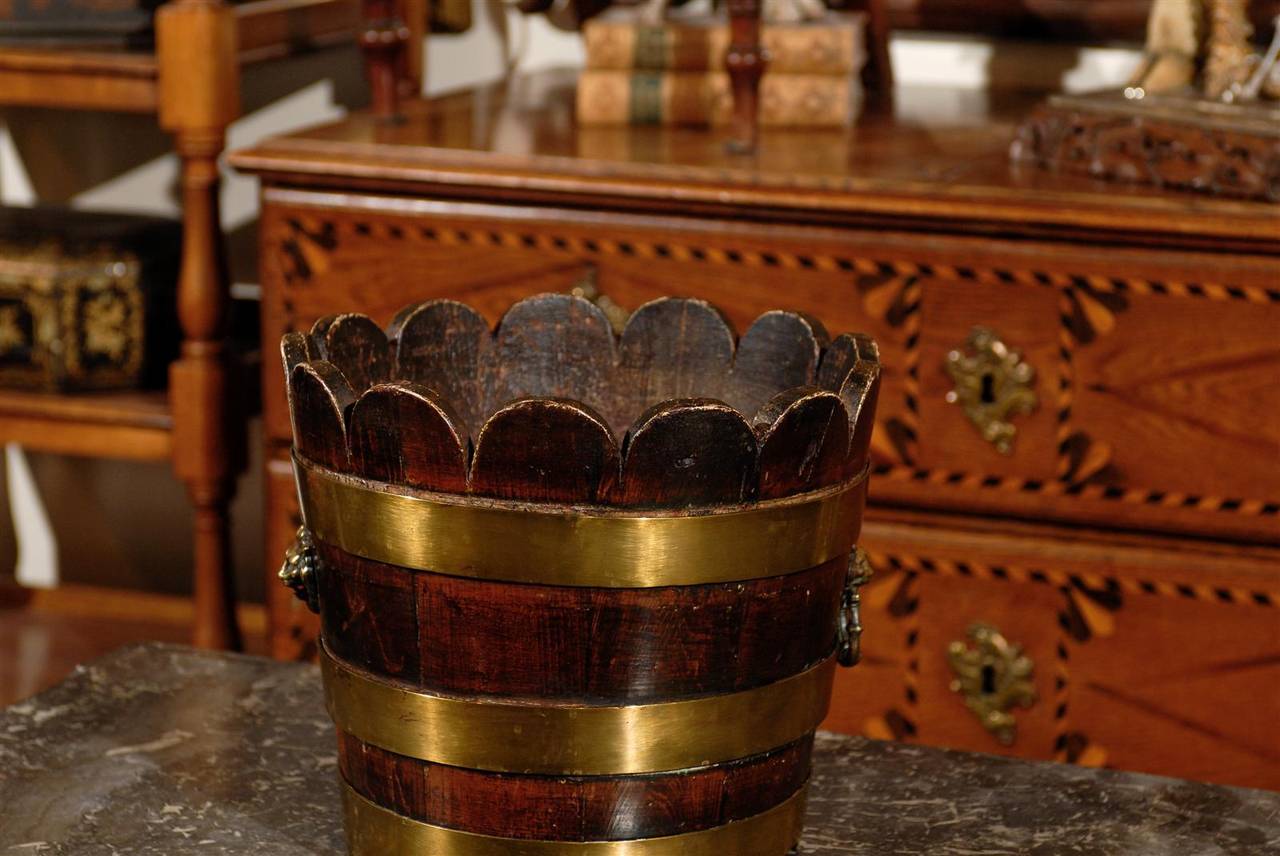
(191, 83)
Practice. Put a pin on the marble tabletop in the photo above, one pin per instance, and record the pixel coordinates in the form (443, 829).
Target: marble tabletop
(159, 750)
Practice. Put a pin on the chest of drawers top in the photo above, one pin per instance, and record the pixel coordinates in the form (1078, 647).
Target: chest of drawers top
(935, 159)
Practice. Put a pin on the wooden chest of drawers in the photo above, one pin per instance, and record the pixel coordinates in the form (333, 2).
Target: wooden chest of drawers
(1125, 539)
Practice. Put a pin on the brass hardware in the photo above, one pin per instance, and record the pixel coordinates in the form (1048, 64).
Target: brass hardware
(548, 544)
(588, 288)
(376, 831)
(574, 739)
(993, 384)
(301, 564)
(70, 320)
(993, 675)
(849, 636)
(106, 318)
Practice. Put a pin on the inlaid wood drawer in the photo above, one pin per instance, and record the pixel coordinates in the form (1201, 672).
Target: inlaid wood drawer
(1164, 659)
(1155, 375)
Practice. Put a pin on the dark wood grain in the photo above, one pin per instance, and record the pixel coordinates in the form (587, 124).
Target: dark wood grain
(294, 348)
(778, 352)
(545, 450)
(319, 398)
(851, 367)
(860, 393)
(574, 808)
(405, 434)
(448, 347)
(539, 446)
(840, 357)
(555, 346)
(694, 451)
(356, 346)
(804, 442)
(631, 645)
(368, 614)
(671, 348)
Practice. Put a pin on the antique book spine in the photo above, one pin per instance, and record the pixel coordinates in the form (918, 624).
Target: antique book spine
(705, 98)
(833, 46)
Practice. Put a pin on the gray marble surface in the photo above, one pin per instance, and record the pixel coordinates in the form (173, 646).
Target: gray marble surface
(163, 751)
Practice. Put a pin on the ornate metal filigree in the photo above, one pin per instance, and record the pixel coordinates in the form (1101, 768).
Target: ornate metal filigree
(106, 329)
(300, 569)
(849, 635)
(993, 384)
(588, 288)
(993, 675)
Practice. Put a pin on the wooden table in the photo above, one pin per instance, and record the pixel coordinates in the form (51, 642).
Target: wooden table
(163, 751)
(1125, 539)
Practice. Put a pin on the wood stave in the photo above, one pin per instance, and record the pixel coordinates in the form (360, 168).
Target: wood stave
(454, 635)
(574, 808)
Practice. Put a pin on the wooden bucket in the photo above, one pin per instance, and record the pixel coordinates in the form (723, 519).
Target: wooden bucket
(581, 593)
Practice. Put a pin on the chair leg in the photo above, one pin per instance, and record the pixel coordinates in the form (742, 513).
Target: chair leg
(199, 98)
(207, 448)
(215, 622)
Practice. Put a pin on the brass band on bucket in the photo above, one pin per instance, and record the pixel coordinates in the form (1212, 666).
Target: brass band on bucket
(575, 740)
(376, 831)
(556, 545)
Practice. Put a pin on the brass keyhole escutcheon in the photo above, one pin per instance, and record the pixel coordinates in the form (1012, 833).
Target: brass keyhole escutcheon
(994, 676)
(993, 384)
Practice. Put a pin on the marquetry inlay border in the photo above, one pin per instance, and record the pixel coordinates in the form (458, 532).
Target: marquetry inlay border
(328, 232)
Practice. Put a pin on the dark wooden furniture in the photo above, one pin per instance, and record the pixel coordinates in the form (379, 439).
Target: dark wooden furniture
(239, 761)
(191, 82)
(1126, 541)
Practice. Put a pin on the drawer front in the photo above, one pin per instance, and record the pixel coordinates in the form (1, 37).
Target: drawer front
(1152, 389)
(1167, 662)
(1154, 403)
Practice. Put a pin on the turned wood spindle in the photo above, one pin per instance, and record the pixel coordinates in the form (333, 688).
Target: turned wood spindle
(199, 98)
(384, 40)
(746, 61)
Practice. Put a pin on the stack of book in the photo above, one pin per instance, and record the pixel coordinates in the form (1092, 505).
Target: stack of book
(674, 73)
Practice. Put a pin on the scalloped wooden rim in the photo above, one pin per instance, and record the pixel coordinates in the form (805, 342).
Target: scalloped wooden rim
(298, 348)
